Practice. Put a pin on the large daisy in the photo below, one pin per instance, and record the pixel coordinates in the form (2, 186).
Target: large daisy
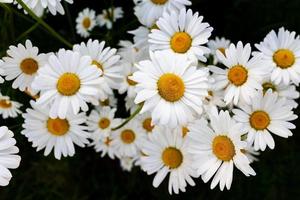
(170, 87)
(9, 108)
(265, 115)
(243, 75)
(67, 82)
(8, 157)
(218, 148)
(86, 21)
(50, 133)
(22, 64)
(182, 33)
(167, 153)
(282, 53)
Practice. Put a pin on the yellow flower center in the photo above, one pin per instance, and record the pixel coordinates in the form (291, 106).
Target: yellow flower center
(100, 66)
(172, 157)
(266, 86)
(185, 131)
(68, 84)
(237, 75)
(284, 58)
(159, 2)
(223, 148)
(170, 87)
(181, 42)
(222, 50)
(147, 125)
(104, 123)
(128, 136)
(259, 120)
(4, 103)
(105, 102)
(86, 23)
(29, 66)
(58, 127)
(130, 82)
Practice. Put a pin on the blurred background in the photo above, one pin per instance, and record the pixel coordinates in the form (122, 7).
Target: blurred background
(86, 175)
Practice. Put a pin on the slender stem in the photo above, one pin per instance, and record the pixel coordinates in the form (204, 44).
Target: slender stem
(28, 31)
(44, 24)
(137, 111)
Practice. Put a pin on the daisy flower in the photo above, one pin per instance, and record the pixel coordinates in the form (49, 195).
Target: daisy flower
(104, 58)
(104, 146)
(6, 1)
(50, 133)
(130, 53)
(130, 105)
(214, 98)
(282, 53)
(22, 64)
(242, 76)
(9, 108)
(140, 36)
(1, 71)
(148, 11)
(182, 33)
(251, 153)
(127, 163)
(8, 157)
(217, 149)
(145, 122)
(265, 115)
(128, 85)
(167, 153)
(68, 82)
(218, 44)
(111, 101)
(86, 21)
(109, 16)
(171, 88)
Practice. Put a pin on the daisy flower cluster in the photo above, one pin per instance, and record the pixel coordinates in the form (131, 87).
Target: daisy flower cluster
(199, 107)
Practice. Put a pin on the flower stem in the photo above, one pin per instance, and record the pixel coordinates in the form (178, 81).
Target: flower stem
(44, 24)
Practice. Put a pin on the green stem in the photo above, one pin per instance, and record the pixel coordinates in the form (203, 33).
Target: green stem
(44, 24)
(137, 111)
(24, 34)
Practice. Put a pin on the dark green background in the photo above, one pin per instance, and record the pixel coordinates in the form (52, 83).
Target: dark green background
(87, 176)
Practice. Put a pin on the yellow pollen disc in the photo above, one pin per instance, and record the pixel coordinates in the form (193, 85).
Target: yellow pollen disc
(105, 102)
(185, 131)
(130, 82)
(86, 23)
(29, 66)
(284, 58)
(94, 62)
(159, 2)
(259, 120)
(237, 75)
(68, 84)
(266, 86)
(58, 127)
(4, 103)
(147, 125)
(181, 42)
(107, 141)
(172, 157)
(128, 136)
(222, 50)
(223, 148)
(170, 87)
(104, 123)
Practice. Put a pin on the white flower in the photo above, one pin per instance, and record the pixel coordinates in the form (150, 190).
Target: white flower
(111, 101)
(67, 82)
(127, 163)
(140, 36)
(53, 133)
(243, 75)
(9, 108)
(1, 71)
(217, 149)
(128, 85)
(171, 88)
(6, 1)
(130, 53)
(86, 21)
(130, 105)
(218, 44)
(251, 153)
(282, 53)
(145, 122)
(8, 157)
(109, 16)
(266, 113)
(167, 152)
(104, 146)
(22, 64)
(182, 33)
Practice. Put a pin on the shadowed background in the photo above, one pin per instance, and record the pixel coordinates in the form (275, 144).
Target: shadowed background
(86, 175)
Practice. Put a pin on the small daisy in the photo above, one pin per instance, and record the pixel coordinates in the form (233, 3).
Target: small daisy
(182, 33)
(218, 44)
(9, 108)
(1, 72)
(250, 152)
(128, 85)
(214, 98)
(127, 163)
(171, 88)
(8, 157)
(104, 146)
(53, 133)
(86, 21)
(217, 149)
(111, 101)
(22, 64)
(130, 105)
(130, 53)
(267, 113)
(148, 11)
(282, 53)
(109, 16)
(167, 152)
(145, 122)
(104, 58)
(68, 82)
(140, 36)
(128, 139)
(37, 8)
(243, 75)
